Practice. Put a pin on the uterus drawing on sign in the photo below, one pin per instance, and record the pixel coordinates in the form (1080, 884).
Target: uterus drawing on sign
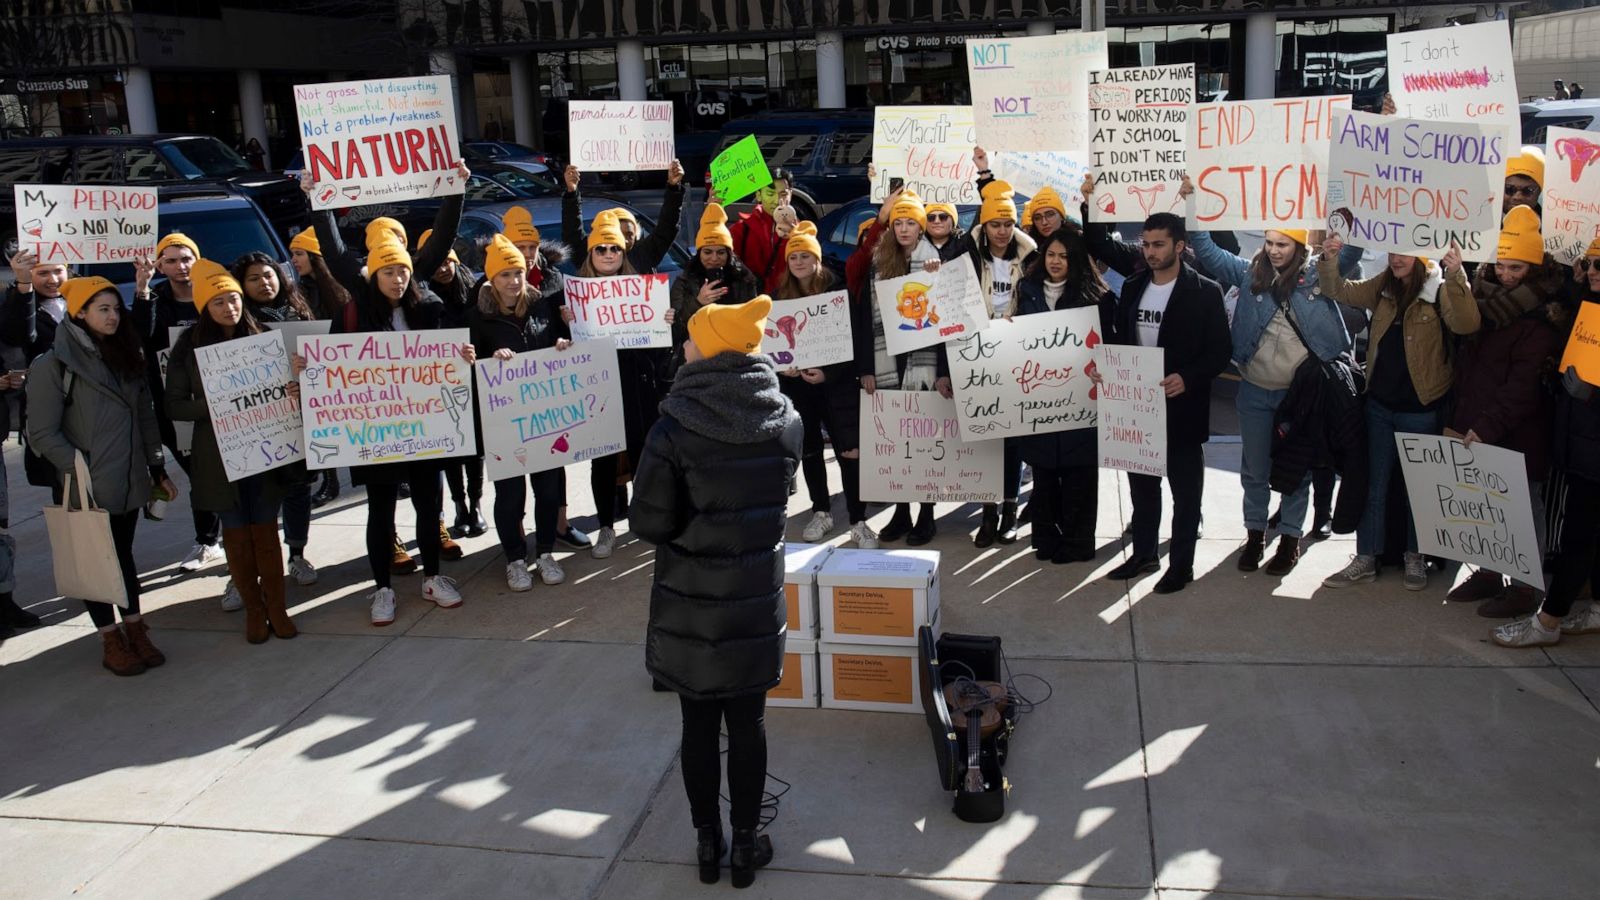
(788, 326)
(1579, 152)
(915, 308)
(1146, 195)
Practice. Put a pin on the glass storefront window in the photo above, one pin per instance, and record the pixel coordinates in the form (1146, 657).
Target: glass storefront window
(1209, 47)
(1334, 56)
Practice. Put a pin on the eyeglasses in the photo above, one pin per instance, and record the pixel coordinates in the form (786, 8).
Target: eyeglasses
(607, 249)
(938, 217)
(1513, 190)
(1582, 265)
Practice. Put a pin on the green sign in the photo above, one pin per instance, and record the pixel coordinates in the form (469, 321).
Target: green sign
(739, 171)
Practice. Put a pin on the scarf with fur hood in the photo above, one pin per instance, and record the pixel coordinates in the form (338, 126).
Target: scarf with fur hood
(731, 397)
(1500, 306)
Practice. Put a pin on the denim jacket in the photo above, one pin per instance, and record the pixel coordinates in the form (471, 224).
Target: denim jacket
(1317, 315)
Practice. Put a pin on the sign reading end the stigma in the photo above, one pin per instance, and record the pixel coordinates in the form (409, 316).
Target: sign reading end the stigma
(1471, 504)
(1260, 164)
(912, 452)
(256, 422)
(547, 408)
(382, 141)
(83, 224)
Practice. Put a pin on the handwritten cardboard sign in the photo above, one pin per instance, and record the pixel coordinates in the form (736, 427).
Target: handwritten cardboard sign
(1463, 73)
(739, 171)
(1583, 347)
(1026, 376)
(1132, 409)
(547, 408)
(629, 309)
(1471, 504)
(1415, 187)
(257, 423)
(620, 135)
(927, 308)
(1570, 201)
(386, 397)
(1138, 140)
(930, 147)
(89, 223)
(1260, 164)
(1028, 93)
(1028, 172)
(293, 331)
(912, 451)
(183, 432)
(810, 332)
(381, 141)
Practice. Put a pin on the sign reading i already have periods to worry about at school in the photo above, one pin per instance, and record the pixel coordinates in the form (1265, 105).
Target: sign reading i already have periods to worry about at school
(927, 308)
(386, 397)
(912, 452)
(1138, 140)
(547, 408)
(1463, 73)
(382, 141)
(1026, 376)
(85, 224)
(256, 423)
(810, 332)
(629, 309)
(1570, 202)
(1132, 407)
(620, 135)
(1260, 164)
(1471, 504)
(1029, 93)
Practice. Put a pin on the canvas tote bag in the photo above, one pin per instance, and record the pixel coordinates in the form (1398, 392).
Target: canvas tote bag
(85, 555)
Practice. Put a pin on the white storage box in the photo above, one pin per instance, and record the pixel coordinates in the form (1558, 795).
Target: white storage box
(870, 676)
(799, 684)
(879, 596)
(801, 563)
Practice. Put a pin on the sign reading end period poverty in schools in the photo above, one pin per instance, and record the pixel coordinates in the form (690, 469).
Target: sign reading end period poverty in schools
(1471, 504)
(930, 148)
(1132, 409)
(1260, 164)
(620, 135)
(912, 452)
(382, 141)
(927, 308)
(1415, 187)
(810, 332)
(1570, 201)
(257, 423)
(1026, 376)
(91, 223)
(386, 397)
(1138, 140)
(739, 171)
(1583, 347)
(1463, 73)
(631, 310)
(545, 409)
(1028, 93)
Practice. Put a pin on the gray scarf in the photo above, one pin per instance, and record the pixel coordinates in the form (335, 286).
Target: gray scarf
(731, 397)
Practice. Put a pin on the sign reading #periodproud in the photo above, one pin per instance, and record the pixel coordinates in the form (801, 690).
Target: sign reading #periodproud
(1260, 164)
(1471, 504)
(1026, 376)
(386, 397)
(83, 224)
(629, 309)
(912, 451)
(620, 135)
(547, 408)
(256, 423)
(927, 308)
(810, 332)
(382, 141)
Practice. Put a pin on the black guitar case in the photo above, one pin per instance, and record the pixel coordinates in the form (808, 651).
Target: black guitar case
(981, 654)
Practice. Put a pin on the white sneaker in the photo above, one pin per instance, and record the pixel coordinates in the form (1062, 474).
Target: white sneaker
(1416, 572)
(1529, 632)
(442, 591)
(550, 571)
(200, 556)
(604, 543)
(1361, 569)
(231, 601)
(821, 523)
(863, 536)
(382, 606)
(305, 574)
(517, 577)
(1583, 620)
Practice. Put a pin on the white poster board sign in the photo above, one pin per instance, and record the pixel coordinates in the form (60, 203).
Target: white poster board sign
(547, 408)
(386, 397)
(810, 332)
(1026, 376)
(1463, 73)
(293, 331)
(1471, 504)
(912, 452)
(1029, 93)
(381, 141)
(183, 432)
(620, 135)
(1132, 408)
(1028, 172)
(1415, 187)
(927, 308)
(930, 147)
(88, 223)
(1260, 164)
(256, 422)
(631, 310)
(1138, 140)
(1571, 197)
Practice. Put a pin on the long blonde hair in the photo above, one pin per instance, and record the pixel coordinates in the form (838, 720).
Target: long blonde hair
(793, 289)
(889, 260)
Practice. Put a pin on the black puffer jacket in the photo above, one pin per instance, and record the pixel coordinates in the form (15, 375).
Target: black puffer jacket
(711, 492)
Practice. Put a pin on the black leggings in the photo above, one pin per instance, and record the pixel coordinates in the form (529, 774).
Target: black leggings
(747, 758)
(1577, 562)
(381, 502)
(122, 527)
(511, 503)
(603, 484)
(1066, 502)
(469, 488)
(850, 479)
(812, 406)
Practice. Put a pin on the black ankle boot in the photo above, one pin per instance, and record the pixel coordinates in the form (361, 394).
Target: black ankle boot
(329, 491)
(476, 526)
(899, 524)
(15, 616)
(463, 520)
(750, 851)
(988, 528)
(925, 529)
(1008, 523)
(708, 852)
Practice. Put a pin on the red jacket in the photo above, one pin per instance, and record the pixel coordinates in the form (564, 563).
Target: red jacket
(756, 242)
(859, 266)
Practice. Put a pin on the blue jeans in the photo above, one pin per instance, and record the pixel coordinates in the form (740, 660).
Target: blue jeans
(297, 516)
(1257, 406)
(1382, 458)
(251, 509)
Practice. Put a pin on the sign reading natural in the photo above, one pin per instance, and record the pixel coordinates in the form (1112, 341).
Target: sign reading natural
(382, 141)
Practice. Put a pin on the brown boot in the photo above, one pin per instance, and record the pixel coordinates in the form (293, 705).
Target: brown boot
(1283, 561)
(238, 544)
(138, 635)
(402, 563)
(117, 657)
(269, 563)
(448, 548)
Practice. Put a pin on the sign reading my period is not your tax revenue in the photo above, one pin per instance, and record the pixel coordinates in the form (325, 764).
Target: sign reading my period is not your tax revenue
(927, 308)
(1026, 376)
(256, 423)
(377, 398)
(1570, 201)
(1471, 504)
(629, 309)
(620, 135)
(79, 224)
(810, 332)
(1463, 73)
(382, 141)
(739, 171)
(1028, 93)
(1260, 164)
(1138, 140)
(547, 408)
(912, 452)
(1132, 407)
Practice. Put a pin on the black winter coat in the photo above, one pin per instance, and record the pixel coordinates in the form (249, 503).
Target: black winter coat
(153, 318)
(1059, 449)
(1321, 424)
(648, 249)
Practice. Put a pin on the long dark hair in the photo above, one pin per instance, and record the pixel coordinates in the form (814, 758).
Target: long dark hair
(1083, 279)
(377, 306)
(735, 270)
(288, 290)
(331, 295)
(1407, 290)
(123, 352)
(207, 331)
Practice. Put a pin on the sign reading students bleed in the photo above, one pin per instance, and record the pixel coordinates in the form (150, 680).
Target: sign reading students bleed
(381, 141)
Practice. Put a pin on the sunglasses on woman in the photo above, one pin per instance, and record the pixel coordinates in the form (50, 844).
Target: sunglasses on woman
(1582, 265)
(938, 217)
(607, 249)
(1513, 190)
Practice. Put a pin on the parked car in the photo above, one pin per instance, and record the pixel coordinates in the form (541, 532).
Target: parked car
(1538, 117)
(507, 153)
(480, 224)
(827, 152)
(491, 183)
(839, 231)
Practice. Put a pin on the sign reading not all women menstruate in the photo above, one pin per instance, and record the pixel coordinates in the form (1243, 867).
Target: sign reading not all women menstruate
(810, 332)
(1030, 93)
(382, 141)
(1027, 376)
(1471, 504)
(631, 310)
(1137, 140)
(85, 224)
(1132, 407)
(547, 408)
(256, 422)
(927, 308)
(386, 397)
(1570, 202)
(912, 451)
(1463, 73)
(620, 135)
(1261, 164)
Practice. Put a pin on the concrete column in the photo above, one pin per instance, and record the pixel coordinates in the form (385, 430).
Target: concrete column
(464, 98)
(1094, 15)
(1041, 29)
(1261, 56)
(140, 97)
(830, 70)
(252, 111)
(522, 93)
(630, 70)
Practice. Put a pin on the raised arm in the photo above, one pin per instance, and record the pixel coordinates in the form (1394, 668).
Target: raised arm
(652, 249)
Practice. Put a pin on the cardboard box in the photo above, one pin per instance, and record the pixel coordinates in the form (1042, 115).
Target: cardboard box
(801, 563)
(879, 596)
(799, 685)
(870, 676)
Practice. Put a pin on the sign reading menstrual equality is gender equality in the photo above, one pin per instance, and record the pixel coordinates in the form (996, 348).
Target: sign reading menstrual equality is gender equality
(1471, 504)
(1138, 141)
(1570, 202)
(912, 452)
(382, 141)
(1416, 187)
(927, 308)
(620, 135)
(1260, 164)
(1463, 73)
(91, 223)
(810, 332)
(256, 422)
(929, 147)
(1027, 376)
(631, 310)
(1132, 409)
(385, 397)
(1029, 93)
(547, 408)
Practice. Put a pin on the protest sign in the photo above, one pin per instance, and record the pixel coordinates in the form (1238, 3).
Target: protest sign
(929, 147)
(739, 171)
(620, 135)
(1415, 187)
(386, 397)
(256, 422)
(1028, 172)
(547, 408)
(1132, 407)
(1261, 164)
(382, 141)
(1138, 140)
(293, 331)
(1471, 504)
(91, 223)
(183, 432)
(1570, 201)
(1027, 376)
(1583, 347)
(1462, 73)
(629, 309)
(912, 452)
(1028, 93)
(927, 308)
(810, 332)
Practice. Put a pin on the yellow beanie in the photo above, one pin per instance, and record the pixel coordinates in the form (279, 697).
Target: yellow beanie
(211, 280)
(1530, 163)
(714, 229)
(383, 229)
(861, 230)
(606, 230)
(1298, 235)
(307, 241)
(518, 226)
(1594, 249)
(948, 209)
(997, 202)
(623, 215)
(1519, 237)
(1027, 216)
(1047, 198)
(178, 239)
(501, 255)
(909, 206)
(803, 239)
(423, 242)
(79, 291)
(386, 253)
(719, 328)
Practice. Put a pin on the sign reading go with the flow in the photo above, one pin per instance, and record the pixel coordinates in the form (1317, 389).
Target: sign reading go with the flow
(382, 141)
(629, 309)
(1026, 376)
(547, 408)
(256, 422)
(1261, 164)
(82, 224)
(1471, 504)
(620, 135)
(912, 451)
